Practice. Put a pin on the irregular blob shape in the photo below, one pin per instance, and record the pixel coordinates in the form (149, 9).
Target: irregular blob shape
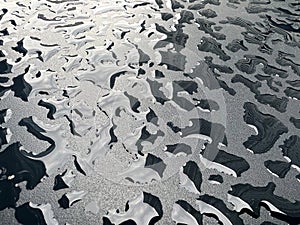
(20, 48)
(210, 205)
(35, 214)
(235, 45)
(191, 177)
(220, 68)
(249, 63)
(272, 70)
(254, 197)
(269, 80)
(208, 13)
(166, 16)
(290, 149)
(50, 107)
(146, 136)
(20, 87)
(187, 86)
(152, 117)
(178, 149)
(268, 126)
(78, 167)
(280, 168)
(207, 104)
(294, 83)
(177, 37)
(155, 163)
(27, 215)
(280, 104)
(253, 86)
(284, 61)
(59, 183)
(5, 67)
(37, 131)
(186, 17)
(5, 115)
(211, 45)
(227, 163)
(159, 74)
(5, 135)
(9, 193)
(134, 102)
(15, 168)
(292, 93)
(215, 179)
(173, 60)
(158, 95)
(184, 213)
(69, 199)
(205, 25)
(296, 122)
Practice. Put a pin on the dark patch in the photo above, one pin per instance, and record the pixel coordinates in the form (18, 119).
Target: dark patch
(280, 168)
(78, 167)
(27, 215)
(217, 178)
(292, 92)
(296, 122)
(211, 45)
(155, 203)
(173, 60)
(5, 67)
(113, 137)
(208, 13)
(191, 210)
(269, 129)
(249, 63)
(128, 222)
(151, 117)
(269, 80)
(20, 87)
(206, 26)
(159, 74)
(72, 126)
(134, 102)
(14, 162)
(64, 202)
(236, 45)
(37, 131)
(193, 172)
(3, 134)
(232, 216)
(178, 37)
(20, 48)
(3, 114)
(50, 107)
(157, 94)
(114, 77)
(155, 163)
(180, 147)
(290, 148)
(255, 195)
(59, 183)
(144, 58)
(236, 163)
(208, 104)
(166, 16)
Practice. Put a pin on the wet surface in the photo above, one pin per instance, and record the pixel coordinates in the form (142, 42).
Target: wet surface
(149, 112)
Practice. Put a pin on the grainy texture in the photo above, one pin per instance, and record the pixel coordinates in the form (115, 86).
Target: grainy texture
(149, 112)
